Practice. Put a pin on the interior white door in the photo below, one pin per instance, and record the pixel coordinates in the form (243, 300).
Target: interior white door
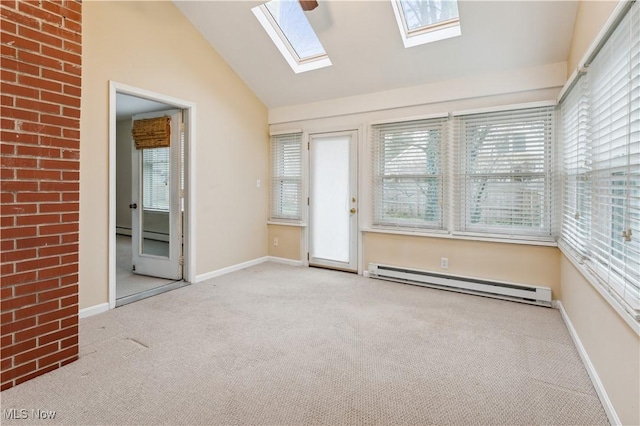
(333, 215)
(156, 225)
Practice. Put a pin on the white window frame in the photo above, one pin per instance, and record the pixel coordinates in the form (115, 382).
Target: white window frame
(279, 177)
(428, 34)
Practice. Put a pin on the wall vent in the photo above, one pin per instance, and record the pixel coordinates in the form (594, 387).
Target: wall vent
(515, 292)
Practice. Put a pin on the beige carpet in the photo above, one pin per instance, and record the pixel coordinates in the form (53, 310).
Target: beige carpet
(275, 344)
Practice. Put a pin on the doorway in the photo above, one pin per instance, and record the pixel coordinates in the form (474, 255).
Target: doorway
(333, 201)
(149, 197)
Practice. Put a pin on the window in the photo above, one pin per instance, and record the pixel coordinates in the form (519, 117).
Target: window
(503, 172)
(155, 162)
(286, 177)
(609, 237)
(408, 178)
(426, 21)
(289, 29)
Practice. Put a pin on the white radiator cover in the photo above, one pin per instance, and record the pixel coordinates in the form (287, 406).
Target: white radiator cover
(501, 290)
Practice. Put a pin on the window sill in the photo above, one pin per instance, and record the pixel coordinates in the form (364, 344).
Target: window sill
(446, 235)
(606, 295)
(294, 224)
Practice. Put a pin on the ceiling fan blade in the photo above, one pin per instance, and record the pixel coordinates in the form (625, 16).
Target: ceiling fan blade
(308, 5)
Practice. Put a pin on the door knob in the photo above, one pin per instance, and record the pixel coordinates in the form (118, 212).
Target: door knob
(133, 206)
(353, 210)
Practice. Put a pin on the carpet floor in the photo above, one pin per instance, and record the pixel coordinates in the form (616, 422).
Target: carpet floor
(282, 345)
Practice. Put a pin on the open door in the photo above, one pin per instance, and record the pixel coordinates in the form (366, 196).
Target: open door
(156, 224)
(333, 216)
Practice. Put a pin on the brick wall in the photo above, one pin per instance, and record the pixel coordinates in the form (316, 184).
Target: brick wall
(41, 45)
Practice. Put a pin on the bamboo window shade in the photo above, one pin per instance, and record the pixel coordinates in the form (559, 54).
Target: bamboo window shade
(152, 132)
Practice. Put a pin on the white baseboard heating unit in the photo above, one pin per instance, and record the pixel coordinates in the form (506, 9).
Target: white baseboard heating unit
(501, 290)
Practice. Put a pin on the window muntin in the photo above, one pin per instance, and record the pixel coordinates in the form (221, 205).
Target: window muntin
(286, 177)
(426, 21)
(503, 172)
(408, 176)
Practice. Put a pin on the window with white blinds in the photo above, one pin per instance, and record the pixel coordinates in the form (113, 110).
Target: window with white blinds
(155, 175)
(407, 174)
(503, 172)
(286, 177)
(613, 247)
(576, 164)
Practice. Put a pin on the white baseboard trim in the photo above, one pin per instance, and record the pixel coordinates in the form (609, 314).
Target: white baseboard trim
(591, 370)
(232, 268)
(93, 310)
(285, 261)
(366, 274)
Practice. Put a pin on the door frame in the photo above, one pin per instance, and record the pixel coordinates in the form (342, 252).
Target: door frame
(306, 234)
(189, 237)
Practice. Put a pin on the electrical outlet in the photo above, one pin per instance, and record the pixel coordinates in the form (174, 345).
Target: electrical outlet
(258, 183)
(275, 242)
(444, 262)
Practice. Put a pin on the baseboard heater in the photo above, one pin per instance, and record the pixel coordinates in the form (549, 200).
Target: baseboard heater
(516, 292)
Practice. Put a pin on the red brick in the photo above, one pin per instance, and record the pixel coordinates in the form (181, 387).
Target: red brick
(72, 47)
(73, 69)
(20, 42)
(39, 60)
(35, 310)
(19, 66)
(37, 106)
(9, 76)
(57, 271)
(73, 26)
(58, 335)
(20, 114)
(71, 112)
(8, 124)
(7, 197)
(20, 370)
(74, 5)
(18, 326)
(7, 26)
(36, 264)
(62, 55)
(18, 162)
(36, 353)
(71, 341)
(57, 250)
(7, 363)
(6, 340)
(68, 301)
(72, 134)
(37, 197)
(39, 372)
(38, 219)
(17, 302)
(18, 186)
(70, 217)
(6, 221)
(52, 7)
(6, 317)
(20, 232)
(58, 356)
(57, 315)
(13, 209)
(40, 129)
(60, 121)
(37, 151)
(30, 333)
(70, 196)
(8, 51)
(73, 80)
(60, 99)
(6, 293)
(64, 228)
(58, 293)
(60, 164)
(35, 174)
(6, 269)
(59, 207)
(40, 83)
(71, 14)
(72, 90)
(18, 137)
(59, 142)
(68, 238)
(7, 245)
(6, 100)
(29, 8)
(40, 36)
(38, 242)
(7, 149)
(68, 322)
(12, 350)
(36, 287)
(17, 279)
(26, 92)
(69, 279)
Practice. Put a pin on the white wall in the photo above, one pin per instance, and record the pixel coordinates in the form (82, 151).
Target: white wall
(152, 46)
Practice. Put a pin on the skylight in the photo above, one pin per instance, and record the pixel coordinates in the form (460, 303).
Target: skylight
(426, 21)
(290, 31)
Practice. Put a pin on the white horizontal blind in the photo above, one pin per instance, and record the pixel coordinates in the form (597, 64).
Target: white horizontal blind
(576, 164)
(408, 174)
(503, 172)
(155, 175)
(614, 77)
(286, 177)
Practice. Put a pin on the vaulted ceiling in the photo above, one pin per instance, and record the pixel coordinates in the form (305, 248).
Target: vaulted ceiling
(364, 44)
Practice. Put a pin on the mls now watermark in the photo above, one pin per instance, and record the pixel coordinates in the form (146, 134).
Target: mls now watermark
(25, 414)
